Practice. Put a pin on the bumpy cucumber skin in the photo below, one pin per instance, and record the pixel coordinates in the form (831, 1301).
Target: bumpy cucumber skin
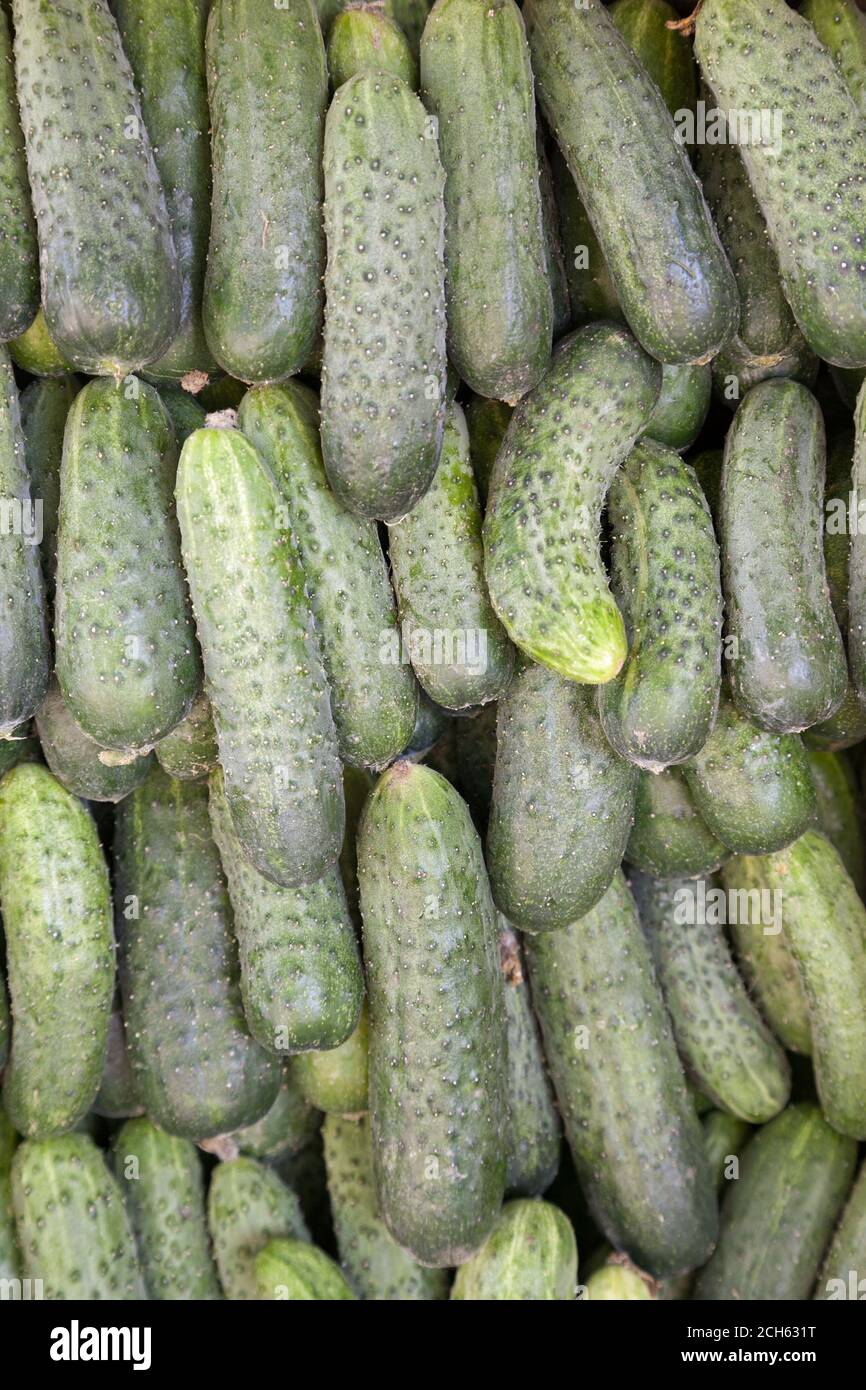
(676, 288)
(116, 1098)
(373, 700)
(487, 422)
(657, 1201)
(364, 39)
(590, 288)
(19, 252)
(535, 1129)
(840, 812)
(248, 1206)
(127, 657)
(618, 1283)
(337, 1080)
(187, 415)
(670, 839)
(721, 1037)
(110, 283)
(857, 556)
(194, 1064)
(437, 563)
(300, 968)
(841, 27)
(552, 473)
(165, 44)
(74, 758)
(10, 1257)
(847, 1250)
(682, 406)
(662, 705)
(563, 803)
(56, 906)
(778, 1216)
(35, 351)
(814, 210)
(725, 1136)
(295, 1271)
(529, 1256)
(162, 1183)
(263, 668)
(439, 1115)
(45, 406)
(190, 750)
(372, 1261)
(287, 1128)
(666, 55)
(267, 87)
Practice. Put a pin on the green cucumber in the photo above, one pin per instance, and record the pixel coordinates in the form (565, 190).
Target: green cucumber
(669, 838)
(267, 86)
(75, 760)
(19, 253)
(127, 658)
(222, 393)
(73, 1229)
(666, 54)
(195, 1067)
(661, 707)
(110, 282)
(563, 803)
(190, 750)
(840, 813)
(435, 993)
(725, 1137)
(294, 1271)
(116, 1098)
(19, 747)
(45, 406)
(842, 1273)
(682, 406)
(529, 1256)
(487, 422)
(541, 531)
(708, 470)
(673, 282)
(287, 1128)
(500, 308)
(36, 352)
(372, 1261)
(535, 1128)
(779, 1215)
(384, 365)
(163, 1186)
(554, 260)
(841, 27)
(843, 729)
(590, 288)
(373, 699)
(337, 1080)
(857, 555)
(248, 1206)
(263, 670)
(187, 414)
(56, 905)
(457, 646)
(365, 39)
(300, 970)
(814, 219)
(411, 15)
(10, 1256)
(619, 1282)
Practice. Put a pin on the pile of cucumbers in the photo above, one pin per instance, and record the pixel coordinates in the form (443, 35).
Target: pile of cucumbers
(432, 649)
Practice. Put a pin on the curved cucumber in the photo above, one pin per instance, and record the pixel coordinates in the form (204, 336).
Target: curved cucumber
(536, 1131)
(295, 1271)
(682, 406)
(19, 252)
(841, 27)
(45, 406)
(847, 1253)
(248, 1206)
(670, 839)
(666, 54)
(840, 812)
(75, 760)
(529, 1256)
(190, 750)
(364, 38)
(36, 352)
(337, 1080)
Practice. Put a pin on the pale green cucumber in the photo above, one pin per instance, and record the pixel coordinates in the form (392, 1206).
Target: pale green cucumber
(35, 351)
(248, 1206)
(529, 1256)
(363, 38)
(294, 1271)
(336, 1080)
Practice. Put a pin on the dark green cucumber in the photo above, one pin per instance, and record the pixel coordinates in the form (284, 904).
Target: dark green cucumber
(439, 1122)
(602, 1015)
(10, 1256)
(725, 1137)
(36, 352)
(554, 260)
(590, 288)
(127, 658)
(487, 422)
(670, 839)
(841, 27)
(55, 900)
(563, 803)
(194, 1064)
(840, 814)
(383, 367)
(365, 39)
(779, 1215)
(73, 1229)
(372, 1261)
(708, 470)
(813, 210)
(223, 393)
(110, 282)
(190, 750)
(45, 406)
(500, 308)
(455, 641)
(337, 1080)
(187, 415)
(162, 1183)
(529, 1256)
(116, 1098)
(75, 760)
(662, 705)
(541, 531)
(287, 1128)
(841, 1273)
(267, 86)
(165, 44)
(723, 1041)
(535, 1128)
(19, 252)
(666, 54)
(300, 969)
(373, 699)
(673, 282)
(263, 669)
(248, 1206)
(843, 729)
(857, 555)
(19, 747)
(682, 406)
(294, 1271)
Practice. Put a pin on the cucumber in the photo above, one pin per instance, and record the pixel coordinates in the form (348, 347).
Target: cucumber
(248, 1206)
(535, 1128)
(373, 699)
(674, 282)
(110, 281)
(841, 27)
(602, 1015)
(287, 1128)
(439, 1120)
(372, 1262)
(619, 1282)
(778, 1217)
(487, 422)
(10, 1256)
(116, 1098)
(847, 1253)
(661, 707)
(411, 15)
(857, 556)
(336, 1080)
(19, 747)
(383, 365)
(723, 1041)
(19, 252)
(267, 86)
(554, 260)
(190, 750)
(682, 406)
(75, 759)
(36, 352)
(162, 1183)
(529, 1256)
(222, 393)
(753, 789)
(56, 905)
(666, 54)
(72, 1226)
(500, 307)
(814, 222)
(725, 1136)
(365, 39)
(458, 648)
(590, 288)
(295, 1271)
(165, 45)
(25, 654)
(552, 473)
(187, 415)
(195, 1067)
(263, 670)
(45, 407)
(300, 969)
(669, 838)
(843, 729)
(563, 803)
(708, 470)
(127, 658)
(840, 814)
